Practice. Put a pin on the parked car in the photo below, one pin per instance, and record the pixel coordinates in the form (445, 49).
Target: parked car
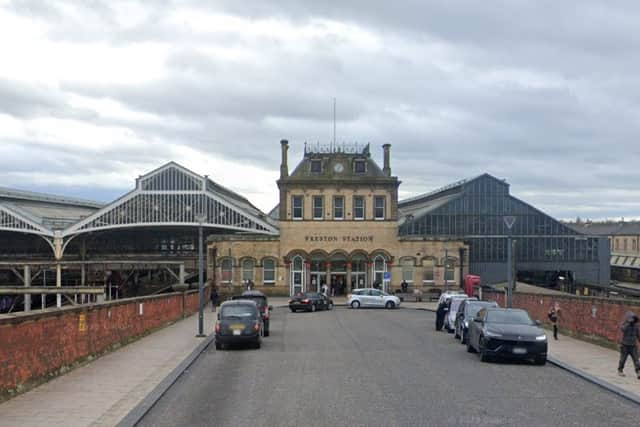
(370, 297)
(466, 313)
(452, 310)
(264, 307)
(508, 333)
(310, 301)
(239, 322)
(447, 295)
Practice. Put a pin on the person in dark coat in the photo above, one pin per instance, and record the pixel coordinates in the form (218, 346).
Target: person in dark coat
(440, 313)
(628, 347)
(553, 318)
(404, 286)
(214, 298)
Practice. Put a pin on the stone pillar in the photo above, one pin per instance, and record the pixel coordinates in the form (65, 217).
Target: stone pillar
(386, 169)
(348, 279)
(328, 279)
(27, 283)
(181, 275)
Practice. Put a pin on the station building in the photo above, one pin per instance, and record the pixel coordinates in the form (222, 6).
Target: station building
(338, 225)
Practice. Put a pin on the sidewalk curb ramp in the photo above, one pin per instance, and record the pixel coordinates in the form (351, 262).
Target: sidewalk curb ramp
(141, 409)
(590, 378)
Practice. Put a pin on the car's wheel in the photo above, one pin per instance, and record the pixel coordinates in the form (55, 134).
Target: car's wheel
(540, 360)
(313, 308)
(330, 306)
(484, 357)
(389, 305)
(218, 346)
(293, 310)
(257, 344)
(355, 304)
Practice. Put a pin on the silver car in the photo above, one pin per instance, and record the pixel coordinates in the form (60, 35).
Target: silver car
(450, 317)
(370, 297)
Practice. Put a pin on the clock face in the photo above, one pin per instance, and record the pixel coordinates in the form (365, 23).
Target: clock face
(338, 167)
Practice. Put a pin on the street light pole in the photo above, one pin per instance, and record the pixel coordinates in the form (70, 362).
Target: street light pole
(446, 265)
(200, 280)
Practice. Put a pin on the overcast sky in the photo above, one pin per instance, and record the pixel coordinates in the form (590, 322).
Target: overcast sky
(545, 94)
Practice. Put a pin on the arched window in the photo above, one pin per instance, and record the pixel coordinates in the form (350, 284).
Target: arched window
(450, 269)
(379, 268)
(428, 266)
(407, 270)
(226, 270)
(247, 270)
(269, 271)
(297, 275)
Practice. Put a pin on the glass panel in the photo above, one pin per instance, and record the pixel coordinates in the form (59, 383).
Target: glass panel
(358, 207)
(269, 270)
(318, 207)
(379, 207)
(297, 205)
(247, 270)
(338, 207)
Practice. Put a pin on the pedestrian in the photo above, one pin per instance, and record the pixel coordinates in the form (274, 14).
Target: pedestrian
(553, 318)
(324, 289)
(441, 311)
(404, 285)
(630, 334)
(214, 298)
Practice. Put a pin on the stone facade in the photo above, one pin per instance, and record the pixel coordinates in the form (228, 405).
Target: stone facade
(343, 248)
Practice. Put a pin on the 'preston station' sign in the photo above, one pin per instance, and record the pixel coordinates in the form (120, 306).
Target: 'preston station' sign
(344, 239)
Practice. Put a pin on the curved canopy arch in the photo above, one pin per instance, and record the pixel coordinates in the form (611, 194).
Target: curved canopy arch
(174, 196)
(12, 219)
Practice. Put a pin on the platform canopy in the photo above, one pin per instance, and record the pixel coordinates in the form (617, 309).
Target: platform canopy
(175, 196)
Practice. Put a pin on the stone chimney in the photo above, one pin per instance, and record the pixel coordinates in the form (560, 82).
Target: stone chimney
(284, 166)
(387, 159)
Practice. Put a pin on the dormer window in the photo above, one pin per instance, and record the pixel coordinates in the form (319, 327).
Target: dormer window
(360, 166)
(316, 166)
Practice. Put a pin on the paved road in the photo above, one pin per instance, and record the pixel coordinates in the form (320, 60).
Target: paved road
(376, 368)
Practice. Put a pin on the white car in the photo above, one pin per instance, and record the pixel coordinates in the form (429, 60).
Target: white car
(450, 317)
(370, 297)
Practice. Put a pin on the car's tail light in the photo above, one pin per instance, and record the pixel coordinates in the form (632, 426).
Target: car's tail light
(305, 301)
(256, 326)
(217, 327)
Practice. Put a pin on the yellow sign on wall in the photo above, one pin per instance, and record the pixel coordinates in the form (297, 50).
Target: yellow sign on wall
(82, 323)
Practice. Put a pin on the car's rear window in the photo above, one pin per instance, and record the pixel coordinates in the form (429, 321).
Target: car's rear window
(260, 300)
(238, 310)
(473, 309)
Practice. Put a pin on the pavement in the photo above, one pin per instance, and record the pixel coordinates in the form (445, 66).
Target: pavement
(105, 391)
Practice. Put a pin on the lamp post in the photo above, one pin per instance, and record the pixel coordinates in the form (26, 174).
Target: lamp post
(509, 220)
(446, 267)
(200, 218)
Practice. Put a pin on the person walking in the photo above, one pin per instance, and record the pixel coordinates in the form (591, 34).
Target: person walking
(440, 313)
(404, 286)
(214, 298)
(630, 334)
(553, 317)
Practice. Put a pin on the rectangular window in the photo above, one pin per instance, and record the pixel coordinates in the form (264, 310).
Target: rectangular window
(379, 208)
(318, 207)
(316, 166)
(360, 166)
(338, 207)
(297, 207)
(358, 207)
(269, 271)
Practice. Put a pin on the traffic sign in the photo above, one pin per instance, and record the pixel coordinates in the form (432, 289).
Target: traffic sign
(387, 275)
(509, 220)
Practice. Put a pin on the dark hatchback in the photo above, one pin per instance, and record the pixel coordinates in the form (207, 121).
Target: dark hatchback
(261, 300)
(507, 333)
(310, 301)
(239, 322)
(466, 313)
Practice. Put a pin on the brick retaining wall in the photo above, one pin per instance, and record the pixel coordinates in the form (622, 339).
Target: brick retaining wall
(590, 318)
(37, 346)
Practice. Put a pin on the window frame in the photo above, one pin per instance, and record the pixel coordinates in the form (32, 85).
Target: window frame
(364, 210)
(244, 269)
(265, 270)
(315, 199)
(358, 162)
(375, 207)
(223, 269)
(314, 162)
(336, 217)
(293, 207)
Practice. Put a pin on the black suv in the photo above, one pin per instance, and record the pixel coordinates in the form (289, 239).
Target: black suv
(263, 306)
